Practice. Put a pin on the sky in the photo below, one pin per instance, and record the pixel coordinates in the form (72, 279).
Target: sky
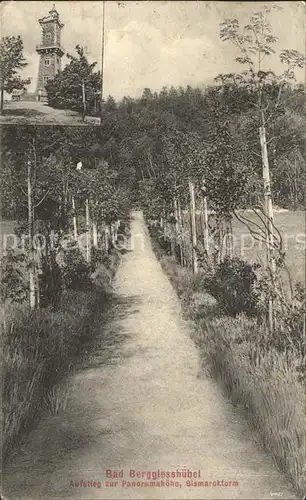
(150, 43)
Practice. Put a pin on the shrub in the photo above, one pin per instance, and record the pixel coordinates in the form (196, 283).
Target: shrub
(76, 271)
(39, 347)
(50, 282)
(13, 284)
(233, 285)
(98, 256)
(158, 234)
(294, 318)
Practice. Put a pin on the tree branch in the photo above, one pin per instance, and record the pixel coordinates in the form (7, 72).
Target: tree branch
(255, 153)
(274, 227)
(245, 220)
(257, 236)
(42, 199)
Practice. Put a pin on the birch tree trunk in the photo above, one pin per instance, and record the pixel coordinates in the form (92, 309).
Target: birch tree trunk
(37, 270)
(30, 233)
(115, 231)
(94, 234)
(112, 234)
(164, 222)
(204, 217)
(75, 227)
(193, 227)
(229, 239)
(221, 232)
(118, 224)
(84, 100)
(88, 239)
(177, 225)
(268, 210)
(181, 228)
(106, 239)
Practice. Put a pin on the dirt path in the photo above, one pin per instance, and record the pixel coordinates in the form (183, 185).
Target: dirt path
(146, 409)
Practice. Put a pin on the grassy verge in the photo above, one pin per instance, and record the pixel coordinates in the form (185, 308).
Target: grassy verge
(264, 383)
(41, 346)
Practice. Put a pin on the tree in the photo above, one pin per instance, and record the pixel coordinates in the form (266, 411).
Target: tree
(11, 61)
(263, 91)
(75, 84)
(39, 181)
(147, 97)
(110, 105)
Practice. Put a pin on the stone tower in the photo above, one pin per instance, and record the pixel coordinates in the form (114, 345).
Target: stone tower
(50, 51)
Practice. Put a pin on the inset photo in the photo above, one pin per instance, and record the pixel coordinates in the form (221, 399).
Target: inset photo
(51, 63)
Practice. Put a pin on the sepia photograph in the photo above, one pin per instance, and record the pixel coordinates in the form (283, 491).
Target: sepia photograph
(51, 62)
(153, 250)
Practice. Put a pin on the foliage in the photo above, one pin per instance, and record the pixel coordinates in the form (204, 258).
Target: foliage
(11, 61)
(98, 256)
(65, 90)
(76, 271)
(233, 285)
(226, 179)
(292, 321)
(50, 282)
(260, 93)
(150, 198)
(13, 285)
(39, 347)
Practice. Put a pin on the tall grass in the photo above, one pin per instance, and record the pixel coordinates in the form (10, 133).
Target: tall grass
(39, 347)
(264, 383)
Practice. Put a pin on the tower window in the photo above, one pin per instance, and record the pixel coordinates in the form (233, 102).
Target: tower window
(45, 78)
(47, 62)
(48, 36)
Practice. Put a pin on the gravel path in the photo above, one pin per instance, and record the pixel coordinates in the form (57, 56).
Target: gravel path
(144, 409)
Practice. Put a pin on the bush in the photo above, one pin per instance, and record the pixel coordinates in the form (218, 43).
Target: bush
(13, 285)
(39, 347)
(101, 257)
(233, 285)
(294, 318)
(164, 244)
(65, 89)
(76, 271)
(50, 282)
